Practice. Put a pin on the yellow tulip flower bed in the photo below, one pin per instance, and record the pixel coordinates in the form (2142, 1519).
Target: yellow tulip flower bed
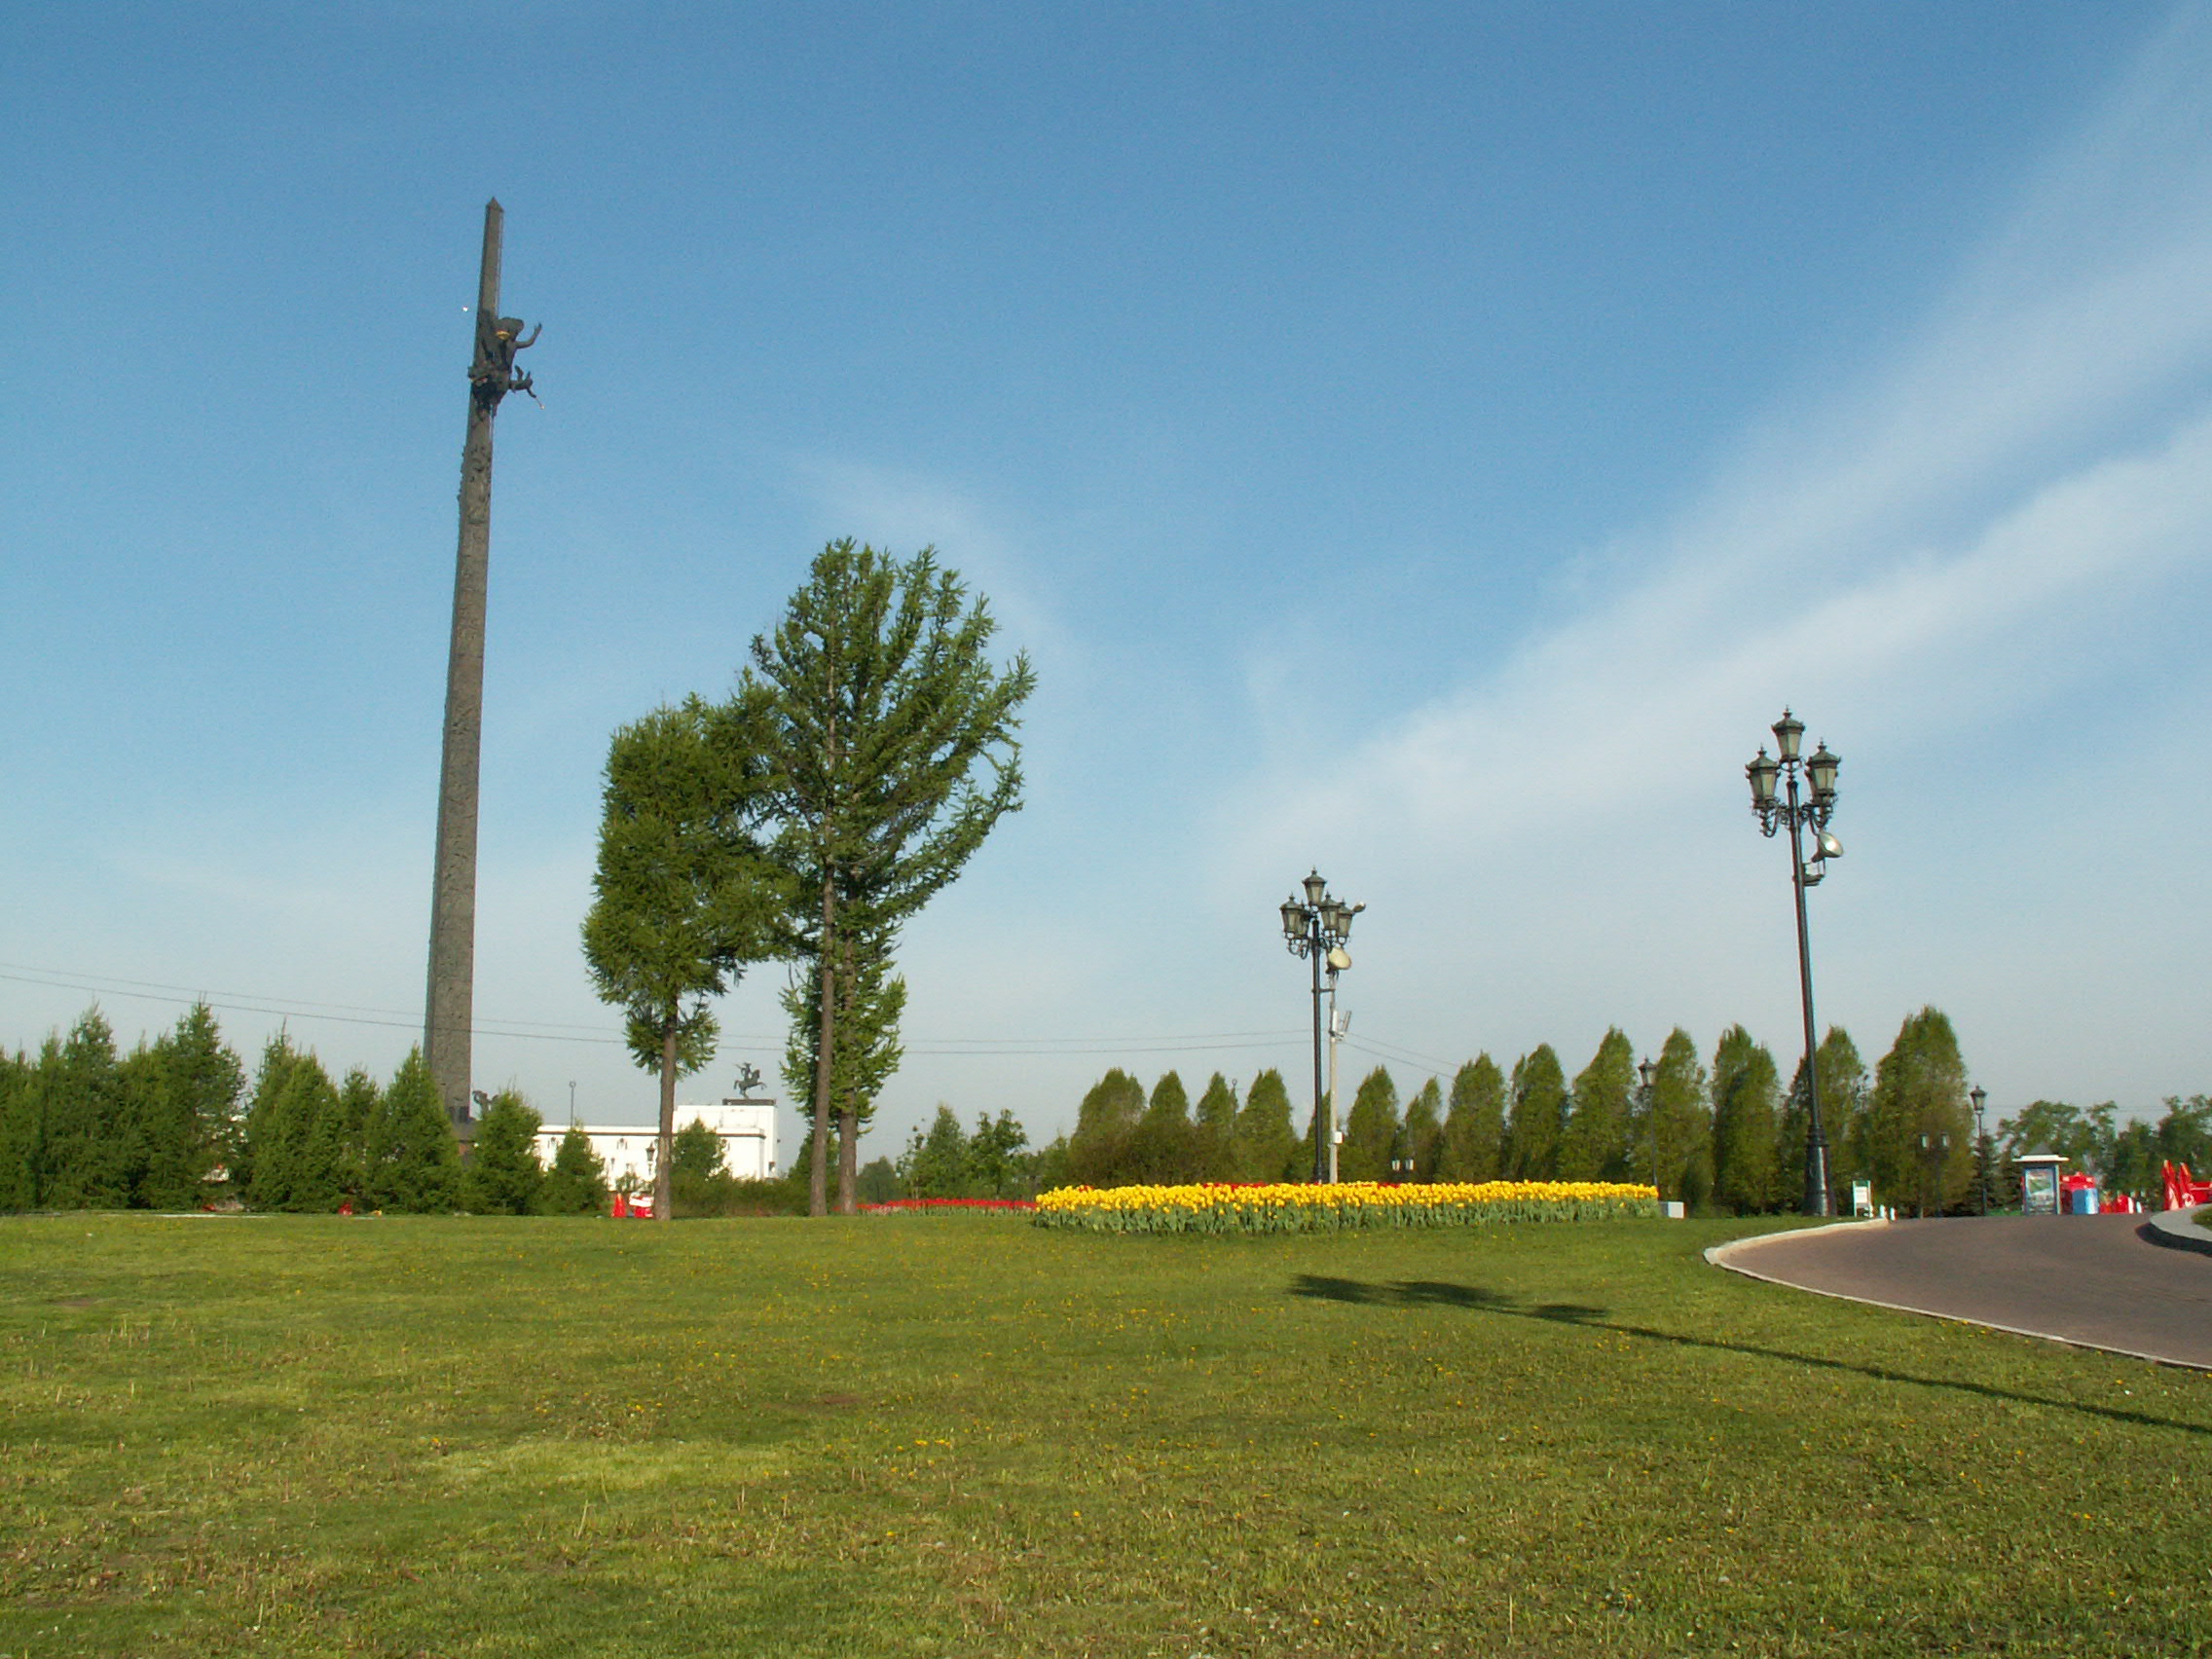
(1291, 1207)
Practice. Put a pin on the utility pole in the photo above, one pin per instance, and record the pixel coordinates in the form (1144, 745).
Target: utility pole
(450, 1013)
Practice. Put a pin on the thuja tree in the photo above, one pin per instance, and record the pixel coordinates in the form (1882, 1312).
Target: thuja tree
(412, 1165)
(81, 1128)
(503, 1173)
(576, 1184)
(682, 897)
(888, 735)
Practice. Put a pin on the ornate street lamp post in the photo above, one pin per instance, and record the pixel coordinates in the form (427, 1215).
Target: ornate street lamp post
(1978, 1096)
(1644, 1072)
(1317, 929)
(1802, 818)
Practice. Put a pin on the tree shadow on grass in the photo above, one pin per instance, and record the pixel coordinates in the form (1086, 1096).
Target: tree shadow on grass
(1431, 1293)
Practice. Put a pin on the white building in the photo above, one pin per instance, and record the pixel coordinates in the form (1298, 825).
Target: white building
(748, 1129)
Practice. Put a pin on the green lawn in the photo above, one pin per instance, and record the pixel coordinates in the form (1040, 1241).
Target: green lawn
(960, 1434)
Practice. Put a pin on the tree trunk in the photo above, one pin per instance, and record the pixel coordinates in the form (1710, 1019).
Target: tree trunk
(817, 1176)
(848, 1128)
(664, 1186)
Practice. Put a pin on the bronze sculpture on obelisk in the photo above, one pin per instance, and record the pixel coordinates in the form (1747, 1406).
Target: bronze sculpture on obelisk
(448, 1021)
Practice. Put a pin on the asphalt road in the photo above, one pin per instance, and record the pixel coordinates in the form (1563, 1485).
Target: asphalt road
(2092, 1280)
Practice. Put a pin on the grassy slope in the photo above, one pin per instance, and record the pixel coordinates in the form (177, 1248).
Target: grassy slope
(955, 1434)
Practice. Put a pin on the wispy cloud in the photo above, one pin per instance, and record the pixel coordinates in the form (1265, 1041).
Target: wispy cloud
(2034, 459)
(2010, 500)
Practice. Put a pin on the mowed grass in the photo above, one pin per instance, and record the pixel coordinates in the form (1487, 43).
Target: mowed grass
(946, 1434)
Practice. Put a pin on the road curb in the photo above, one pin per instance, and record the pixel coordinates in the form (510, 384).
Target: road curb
(1722, 1256)
(2176, 1230)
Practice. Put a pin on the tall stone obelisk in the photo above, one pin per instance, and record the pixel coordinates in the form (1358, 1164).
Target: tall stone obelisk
(448, 1024)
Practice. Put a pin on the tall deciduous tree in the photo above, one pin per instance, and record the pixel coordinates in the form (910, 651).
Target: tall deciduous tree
(996, 1165)
(1425, 1128)
(1920, 1126)
(1745, 1088)
(682, 896)
(1680, 1125)
(1098, 1150)
(1843, 1117)
(936, 1164)
(1594, 1145)
(890, 736)
(1371, 1128)
(1474, 1124)
(1161, 1145)
(1216, 1132)
(1536, 1115)
(1265, 1146)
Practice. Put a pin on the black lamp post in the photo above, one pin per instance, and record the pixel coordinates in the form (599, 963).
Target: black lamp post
(1977, 1095)
(1317, 929)
(1802, 818)
(1644, 1072)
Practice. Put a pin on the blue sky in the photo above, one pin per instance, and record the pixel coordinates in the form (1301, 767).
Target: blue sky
(1428, 443)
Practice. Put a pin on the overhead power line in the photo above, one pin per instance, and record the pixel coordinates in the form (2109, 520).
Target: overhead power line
(555, 1031)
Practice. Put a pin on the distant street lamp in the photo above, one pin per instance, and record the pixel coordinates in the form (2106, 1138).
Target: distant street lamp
(1804, 818)
(1977, 1095)
(1646, 1071)
(1317, 929)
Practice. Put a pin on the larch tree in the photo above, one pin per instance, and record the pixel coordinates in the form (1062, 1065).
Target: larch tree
(871, 1002)
(682, 897)
(889, 736)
